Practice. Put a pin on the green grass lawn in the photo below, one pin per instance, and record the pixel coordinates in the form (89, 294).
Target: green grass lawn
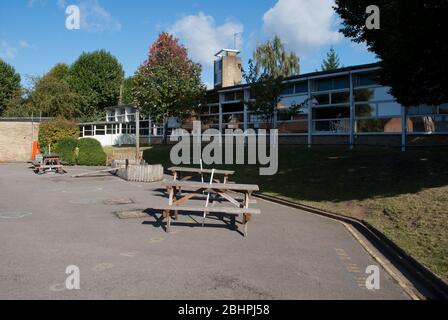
(403, 194)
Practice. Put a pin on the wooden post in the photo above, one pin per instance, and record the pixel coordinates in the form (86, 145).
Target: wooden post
(137, 135)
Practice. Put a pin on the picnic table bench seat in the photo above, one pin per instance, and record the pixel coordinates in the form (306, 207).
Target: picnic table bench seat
(176, 171)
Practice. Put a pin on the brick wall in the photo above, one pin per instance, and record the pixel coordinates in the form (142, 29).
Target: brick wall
(16, 140)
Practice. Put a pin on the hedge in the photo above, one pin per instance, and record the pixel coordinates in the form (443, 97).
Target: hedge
(66, 149)
(90, 153)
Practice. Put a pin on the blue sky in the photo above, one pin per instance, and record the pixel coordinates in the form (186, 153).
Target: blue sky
(33, 36)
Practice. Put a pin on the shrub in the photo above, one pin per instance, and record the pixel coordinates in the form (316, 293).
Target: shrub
(52, 131)
(90, 153)
(66, 148)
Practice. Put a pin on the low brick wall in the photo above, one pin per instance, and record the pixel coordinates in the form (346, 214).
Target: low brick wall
(16, 139)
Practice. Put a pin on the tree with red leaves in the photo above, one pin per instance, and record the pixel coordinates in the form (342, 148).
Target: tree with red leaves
(168, 83)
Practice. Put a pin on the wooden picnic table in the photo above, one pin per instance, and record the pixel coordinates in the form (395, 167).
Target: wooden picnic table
(224, 190)
(49, 162)
(177, 171)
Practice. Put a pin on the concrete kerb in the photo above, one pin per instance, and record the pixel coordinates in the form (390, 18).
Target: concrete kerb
(425, 284)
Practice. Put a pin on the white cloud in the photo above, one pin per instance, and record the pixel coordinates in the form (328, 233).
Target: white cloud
(61, 3)
(203, 38)
(303, 25)
(7, 52)
(95, 18)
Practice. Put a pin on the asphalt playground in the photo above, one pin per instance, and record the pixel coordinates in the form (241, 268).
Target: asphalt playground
(49, 222)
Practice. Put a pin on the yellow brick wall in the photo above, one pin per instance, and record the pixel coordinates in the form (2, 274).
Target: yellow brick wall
(16, 140)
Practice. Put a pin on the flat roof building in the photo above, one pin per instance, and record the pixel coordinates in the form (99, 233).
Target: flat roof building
(343, 106)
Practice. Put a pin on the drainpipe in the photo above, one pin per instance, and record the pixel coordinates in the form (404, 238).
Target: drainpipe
(352, 114)
(404, 127)
(310, 115)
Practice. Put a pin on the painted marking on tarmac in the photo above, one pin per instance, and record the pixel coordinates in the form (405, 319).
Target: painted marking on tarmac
(81, 190)
(83, 201)
(102, 267)
(14, 214)
(131, 254)
(58, 287)
(352, 268)
(156, 240)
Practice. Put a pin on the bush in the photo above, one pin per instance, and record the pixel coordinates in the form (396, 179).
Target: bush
(90, 153)
(66, 149)
(53, 131)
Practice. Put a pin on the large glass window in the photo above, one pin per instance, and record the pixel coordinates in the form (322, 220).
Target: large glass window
(390, 125)
(389, 109)
(301, 87)
(365, 79)
(336, 83)
(288, 89)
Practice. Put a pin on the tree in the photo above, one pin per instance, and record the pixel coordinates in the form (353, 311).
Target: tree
(409, 42)
(272, 59)
(168, 83)
(97, 78)
(331, 62)
(53, 97)
(50, 96)
(126, 95)
(266, 89)
(10, 89)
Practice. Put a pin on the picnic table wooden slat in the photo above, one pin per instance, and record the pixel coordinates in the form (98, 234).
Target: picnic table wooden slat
(199, 170)
(220, 186)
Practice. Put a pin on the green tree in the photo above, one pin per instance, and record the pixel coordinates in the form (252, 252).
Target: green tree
(126, 95)
(168, 83)
(96, 77)
(273, 60)
(331, 62)
(10, 89)
(52, 96)
(266, 89)
(409, 43)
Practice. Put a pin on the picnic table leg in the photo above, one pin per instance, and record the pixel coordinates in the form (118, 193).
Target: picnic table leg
(246, 218)
(167, 218)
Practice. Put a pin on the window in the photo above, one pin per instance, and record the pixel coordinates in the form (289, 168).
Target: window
(324, 84)
(302, 87)
(340, 97)
(389, 125)
(322, 99)
(365, 110)
(229, 96)
(111, 128)
(88, 130)
(389, 109)
(341, 82)
(366, 79)
(288, 89)
(100, 130)
(337, 83)
(428, 124)
(374, 94)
